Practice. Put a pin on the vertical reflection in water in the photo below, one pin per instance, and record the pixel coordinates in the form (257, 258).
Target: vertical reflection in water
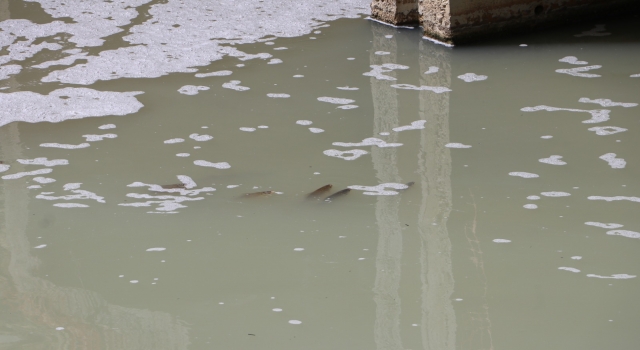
(434, 162)
(389, 251)
(35, 306)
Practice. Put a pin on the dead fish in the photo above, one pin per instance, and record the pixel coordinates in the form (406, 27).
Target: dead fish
(337, 194)
(258, 194)
(168, 187)
(319, 191)
(409, 184)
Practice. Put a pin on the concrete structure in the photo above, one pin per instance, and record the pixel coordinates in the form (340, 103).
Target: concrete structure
(459, 21)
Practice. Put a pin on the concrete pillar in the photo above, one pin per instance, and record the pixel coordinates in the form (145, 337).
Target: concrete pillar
(396, 12)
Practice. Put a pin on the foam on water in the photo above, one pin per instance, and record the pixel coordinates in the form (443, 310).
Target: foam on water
(622, 276)
(500, 240)
(555, 194)
(192, 89)
(415, 125)
(471, 77)
(615, 163)
(530, 206)
(43, 180)
(456, 145)
(533, 198)
(381, 189)
(43, 161)
(572, 60)
(553, 160)
(176, 140)
(64, 146)
(578, 71)
(220, 165)
(607, 130)
(220, 73)
(570, 269)
(370, 141)
(597, 115)
(73, 188)
(546, 137)
(27, 173)
(4, 167)
(65, 104)
(615, 198)
(70, 205)
(577, 257)
(304, 122)
(247, 129)
(235, 85)
(278, 95)
(377, 71)
(436, 89)
(354, 153)
(382, 53)
(198, 137)
(607, 103)
(624, 233)
(93, 138)
(274, 61)
(432, 70)
(40, 246)
(158, 249)
(347, 88)
(603, 225)
(316, 130)
(347, 107)
(524, 174)
(107, 126)
(336, 100)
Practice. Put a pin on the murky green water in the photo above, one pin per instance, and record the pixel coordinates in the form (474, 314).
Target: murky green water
(520, 231)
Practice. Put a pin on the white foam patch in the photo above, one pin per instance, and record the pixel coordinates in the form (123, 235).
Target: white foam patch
(4, 167)
(347, 107)
(187, 181)
(336, 100)
(377, 71)
(107, 126)
(371, 141)
(530, 206)
(384, 133)
(634, 76)
(275, 61)
(615, 198)
(555, 194)
(232, 186)
(32, 187)
(298, 76)
(199, 137)
(263, 127)
(470, 77)
(603, 225)
(158, 249)
(500, 240)
(220, 165)
(27, 173)
(278, 95)
(298, 249)
(248, 129)
(192, 89)
(280, 48)
(607, 130)
(65, 104)
(93, 138)
(77, 194)
(604, 102)
(524, 174)
(533, 198)
(295, 322)
(70, 205)
(220, 73)
(354, 153)
(348, 88)
(176, 140)
(624, 233)
(382, 53)
(64, 146)
(43, 161)
(415, 125)
(432, 70)
(553, 160)
(8, 70)
(304, 122)
(43, 180)
(381, 189)
(598, 30)
(40, 246)
(572, 60)
(316, 130)
(570, 269)
(615, 163)
(546, 137)
(622, 276)
(456, 145)
(597, 115)
(235, 85)
(578, 71)
(183, 155)
(436, 89)
(577, 257)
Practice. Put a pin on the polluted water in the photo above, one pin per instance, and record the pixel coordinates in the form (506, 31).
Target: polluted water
(158, 158)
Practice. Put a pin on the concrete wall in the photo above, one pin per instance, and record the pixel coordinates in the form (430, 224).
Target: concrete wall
(460, 21)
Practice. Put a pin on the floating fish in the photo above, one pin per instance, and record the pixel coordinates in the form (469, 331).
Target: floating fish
(337, 194)
(172, 186)
(315, 194)
(258, 194)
